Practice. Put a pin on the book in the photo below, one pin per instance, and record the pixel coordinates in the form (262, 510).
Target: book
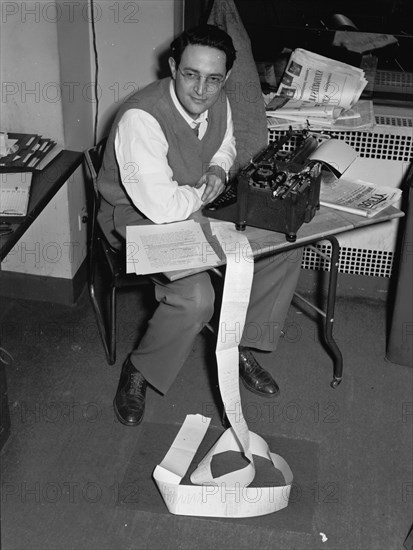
(14, 193)
(357, 196)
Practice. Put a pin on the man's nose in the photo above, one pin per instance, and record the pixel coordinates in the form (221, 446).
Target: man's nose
(201, 86)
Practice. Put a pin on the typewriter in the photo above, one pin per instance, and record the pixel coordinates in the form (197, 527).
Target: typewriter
(279, 190)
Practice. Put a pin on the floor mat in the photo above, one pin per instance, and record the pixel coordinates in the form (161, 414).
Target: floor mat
(139, 491)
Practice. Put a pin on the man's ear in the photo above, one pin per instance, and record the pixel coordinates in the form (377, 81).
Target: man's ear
(172, 66)
(227, 75)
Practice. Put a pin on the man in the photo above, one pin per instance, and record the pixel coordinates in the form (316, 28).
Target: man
(167, 155)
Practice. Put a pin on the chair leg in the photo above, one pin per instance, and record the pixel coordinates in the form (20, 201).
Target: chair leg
(112, 327)
(107, 331)
(100, 322)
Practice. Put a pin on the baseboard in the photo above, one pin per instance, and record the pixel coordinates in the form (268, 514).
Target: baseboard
(44, 289)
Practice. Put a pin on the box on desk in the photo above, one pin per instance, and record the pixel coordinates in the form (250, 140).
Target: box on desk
(278, 190)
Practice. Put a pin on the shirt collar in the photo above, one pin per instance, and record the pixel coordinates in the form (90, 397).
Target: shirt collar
(202, 117)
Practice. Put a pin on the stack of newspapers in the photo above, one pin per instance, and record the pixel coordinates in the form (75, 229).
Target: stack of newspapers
(319, 92)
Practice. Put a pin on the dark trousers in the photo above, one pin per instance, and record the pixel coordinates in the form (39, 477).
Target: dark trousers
(186, 305)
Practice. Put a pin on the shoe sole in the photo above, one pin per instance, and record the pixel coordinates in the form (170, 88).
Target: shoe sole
(257, 392)
(122, 420)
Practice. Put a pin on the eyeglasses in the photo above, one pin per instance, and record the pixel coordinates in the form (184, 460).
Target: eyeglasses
(212, 82)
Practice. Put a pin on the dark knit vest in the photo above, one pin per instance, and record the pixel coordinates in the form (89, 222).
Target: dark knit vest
(187, 156)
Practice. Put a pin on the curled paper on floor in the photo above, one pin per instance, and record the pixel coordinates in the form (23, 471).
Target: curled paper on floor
(228, 495)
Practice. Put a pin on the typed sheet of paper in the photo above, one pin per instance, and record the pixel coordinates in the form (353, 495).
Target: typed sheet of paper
(167, 247)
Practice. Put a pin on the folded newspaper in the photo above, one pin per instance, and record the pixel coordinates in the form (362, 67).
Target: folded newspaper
(341, 192)
(320, 92)
(357, 196)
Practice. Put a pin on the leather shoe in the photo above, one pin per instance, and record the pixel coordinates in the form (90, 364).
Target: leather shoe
(129, 402)
(254, 377)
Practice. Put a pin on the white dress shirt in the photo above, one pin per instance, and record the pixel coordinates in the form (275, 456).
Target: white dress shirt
(141, 151)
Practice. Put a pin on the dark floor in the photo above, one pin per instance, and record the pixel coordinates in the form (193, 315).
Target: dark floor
(64, 465)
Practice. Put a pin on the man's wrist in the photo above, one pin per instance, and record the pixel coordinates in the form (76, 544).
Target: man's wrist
(217, 171)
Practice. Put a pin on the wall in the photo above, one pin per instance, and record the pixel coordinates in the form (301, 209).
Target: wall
(49, 66)
(48, 75)
(30, 70)
(77, 100)
(132, 39)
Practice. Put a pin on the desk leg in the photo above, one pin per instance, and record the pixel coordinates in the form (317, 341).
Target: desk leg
(329, 321)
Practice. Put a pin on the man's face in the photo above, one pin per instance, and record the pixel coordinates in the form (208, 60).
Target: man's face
(199, 78)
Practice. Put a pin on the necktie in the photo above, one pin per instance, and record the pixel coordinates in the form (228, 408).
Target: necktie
(196, 129)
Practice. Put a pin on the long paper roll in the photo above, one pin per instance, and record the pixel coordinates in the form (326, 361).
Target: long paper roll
(228, 495)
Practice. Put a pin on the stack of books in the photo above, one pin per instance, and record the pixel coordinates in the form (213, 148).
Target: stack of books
(26, 152)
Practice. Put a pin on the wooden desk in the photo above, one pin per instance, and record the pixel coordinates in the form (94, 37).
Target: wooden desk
(325, 225)
(45, 185)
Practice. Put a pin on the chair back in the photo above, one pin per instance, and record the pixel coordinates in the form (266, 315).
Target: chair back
(97, 241)
(93, 160)
(107, 265)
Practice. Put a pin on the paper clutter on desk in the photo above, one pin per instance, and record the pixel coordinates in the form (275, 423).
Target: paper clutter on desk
(7, 146)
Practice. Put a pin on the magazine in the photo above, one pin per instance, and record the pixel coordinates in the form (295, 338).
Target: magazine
(340, 192)
(357, 196)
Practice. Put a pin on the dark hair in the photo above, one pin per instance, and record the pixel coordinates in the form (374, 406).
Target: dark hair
(204, 35)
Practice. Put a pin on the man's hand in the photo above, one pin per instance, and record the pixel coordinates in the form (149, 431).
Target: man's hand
(214, 180)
